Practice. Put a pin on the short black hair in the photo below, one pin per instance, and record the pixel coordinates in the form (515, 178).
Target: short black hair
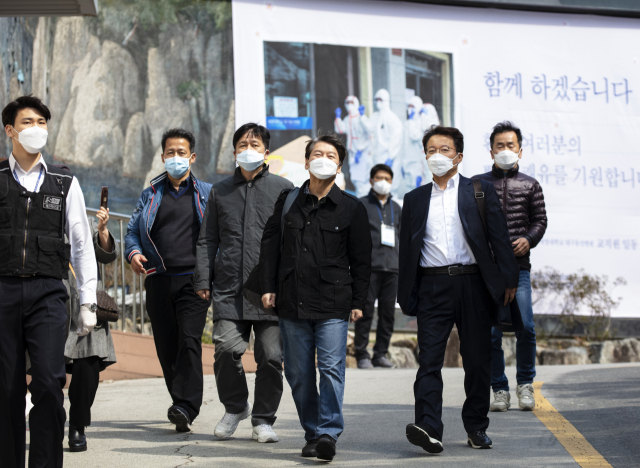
(179, 133)
(451, 132)
(10, 112)
(380, 167)
(330, 138)
(504, 127)
(254, 130)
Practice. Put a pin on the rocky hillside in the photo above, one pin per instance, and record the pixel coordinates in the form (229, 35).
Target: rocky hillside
(115, 83)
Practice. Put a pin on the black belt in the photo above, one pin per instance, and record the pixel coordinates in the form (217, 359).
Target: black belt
(451, 270)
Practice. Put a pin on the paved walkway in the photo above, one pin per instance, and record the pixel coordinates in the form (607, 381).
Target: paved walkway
(601, 401)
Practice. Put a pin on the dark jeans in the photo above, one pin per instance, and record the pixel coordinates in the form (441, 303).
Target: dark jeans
(443, 301)
(85, 377)
(319, 413)
(178, 317)
(383, 287)
(525, 342)
(231, 338)
(33, 318)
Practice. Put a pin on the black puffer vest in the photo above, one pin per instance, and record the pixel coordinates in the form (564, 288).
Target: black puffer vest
(32, 225)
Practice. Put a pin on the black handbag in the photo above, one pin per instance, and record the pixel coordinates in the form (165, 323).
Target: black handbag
(506, 318)
(107, 310)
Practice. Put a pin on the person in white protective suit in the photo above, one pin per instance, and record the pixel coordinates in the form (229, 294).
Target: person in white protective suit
(354, 125)
(386, 130)
(414, 169)
(429, 116)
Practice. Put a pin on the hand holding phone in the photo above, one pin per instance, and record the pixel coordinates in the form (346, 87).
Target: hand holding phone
(104, 197)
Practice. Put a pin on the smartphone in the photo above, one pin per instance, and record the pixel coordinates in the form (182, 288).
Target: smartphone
(104, 197)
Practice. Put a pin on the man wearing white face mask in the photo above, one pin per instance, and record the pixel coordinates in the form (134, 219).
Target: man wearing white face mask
(228, 249)
(384, 223)
(524, 207)
(39, 205)
(354, 126)
(447, 275)
(161, 242)
(386, 130)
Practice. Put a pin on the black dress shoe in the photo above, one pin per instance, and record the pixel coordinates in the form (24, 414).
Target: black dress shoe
(309, 449)
(383, 362)
(77, 439)
(478, 440)
(178, 416)
(326, 447)
(427, 439)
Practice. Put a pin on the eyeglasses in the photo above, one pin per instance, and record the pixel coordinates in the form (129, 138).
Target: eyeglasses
(444, 150)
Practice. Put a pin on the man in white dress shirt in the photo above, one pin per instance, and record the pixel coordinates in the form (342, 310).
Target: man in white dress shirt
(39, 204)
(446, 276)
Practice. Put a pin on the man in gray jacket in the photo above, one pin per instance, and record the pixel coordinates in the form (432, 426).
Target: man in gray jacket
(226, 252)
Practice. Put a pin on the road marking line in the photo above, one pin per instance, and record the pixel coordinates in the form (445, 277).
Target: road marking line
(578, 447)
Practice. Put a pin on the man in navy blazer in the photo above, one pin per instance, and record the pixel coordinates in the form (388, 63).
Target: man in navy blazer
(447, 275)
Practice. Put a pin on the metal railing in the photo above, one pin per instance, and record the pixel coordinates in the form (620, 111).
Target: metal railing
(129, 319)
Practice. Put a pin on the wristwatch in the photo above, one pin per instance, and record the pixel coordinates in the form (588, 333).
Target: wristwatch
(93, 308)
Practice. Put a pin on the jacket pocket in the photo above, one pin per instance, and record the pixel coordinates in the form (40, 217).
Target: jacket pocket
(335, 289)
(5, 214)
(5, 244)
(334, 235)
(53, 256)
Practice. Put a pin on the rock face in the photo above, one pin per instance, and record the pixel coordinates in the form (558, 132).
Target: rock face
(572, 355)
(627, 350)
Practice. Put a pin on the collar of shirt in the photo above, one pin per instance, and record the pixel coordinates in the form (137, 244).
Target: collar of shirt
(374, 197)
(335, 194)
(451, 184)
(181, 188)
(238, 178)
(15, 166)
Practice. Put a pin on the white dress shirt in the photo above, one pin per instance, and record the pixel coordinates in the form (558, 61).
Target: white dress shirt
(83, 257)
(444, 241)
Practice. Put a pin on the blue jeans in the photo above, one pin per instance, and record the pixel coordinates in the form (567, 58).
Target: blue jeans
(525, 342)
(319, 414)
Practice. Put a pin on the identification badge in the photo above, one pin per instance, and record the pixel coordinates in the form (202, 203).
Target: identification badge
(52, 203)
(388, 235)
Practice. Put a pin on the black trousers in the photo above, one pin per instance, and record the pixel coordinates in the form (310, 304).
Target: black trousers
(33, 318)
(178, 317)
(85, 377)
(383, 287)
(443, 301)
(231, 338)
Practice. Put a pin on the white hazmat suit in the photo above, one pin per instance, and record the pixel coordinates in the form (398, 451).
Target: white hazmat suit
(386, 132)
(414, 169)
(429, 116)
(355, 125)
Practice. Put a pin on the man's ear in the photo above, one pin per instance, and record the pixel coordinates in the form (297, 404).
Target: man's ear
(193, 157)
(162, 156)
(491, 153)
(266, 153)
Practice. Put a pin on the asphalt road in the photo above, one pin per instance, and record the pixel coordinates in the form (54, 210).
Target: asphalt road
(602, 401)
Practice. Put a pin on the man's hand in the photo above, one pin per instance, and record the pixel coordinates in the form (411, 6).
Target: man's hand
(136, 264)
(521, 247)
(509, 295)
(204, 294)
(356, 314)
(269, 300)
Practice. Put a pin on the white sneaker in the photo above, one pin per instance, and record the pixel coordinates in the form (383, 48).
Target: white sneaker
(229, 423)
(501, 401)
(526, 399)
(264, 433)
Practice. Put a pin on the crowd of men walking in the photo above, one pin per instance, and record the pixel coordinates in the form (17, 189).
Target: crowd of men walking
(293, 265)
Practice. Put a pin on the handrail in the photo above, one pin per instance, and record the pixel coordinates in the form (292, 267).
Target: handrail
(120, 277)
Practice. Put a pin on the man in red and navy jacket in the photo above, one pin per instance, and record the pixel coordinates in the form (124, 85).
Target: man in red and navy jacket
(161, 242)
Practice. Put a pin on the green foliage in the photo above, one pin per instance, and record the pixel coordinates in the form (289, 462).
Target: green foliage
(579, 292)
(206, 338)
(149, 13)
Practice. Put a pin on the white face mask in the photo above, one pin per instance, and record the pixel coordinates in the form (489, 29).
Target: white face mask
(439, 164)
(506, 159)
(33, 138)
(250, 160)
(323, 168)
(382, 187)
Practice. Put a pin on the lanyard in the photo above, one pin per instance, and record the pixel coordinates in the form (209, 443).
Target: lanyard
(37, 181)
(380, 213)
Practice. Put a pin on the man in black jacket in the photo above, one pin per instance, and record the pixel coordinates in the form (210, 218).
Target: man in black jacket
(447, 276)
(316, 274)
(226, 252)
(523, 205)
(384, 221)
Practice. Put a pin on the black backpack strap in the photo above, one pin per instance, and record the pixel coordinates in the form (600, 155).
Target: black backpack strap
(288, 202)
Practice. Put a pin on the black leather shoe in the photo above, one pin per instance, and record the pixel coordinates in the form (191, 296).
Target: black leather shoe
(180, 418)
(427, 439)
(478, 440)
(326, 447)
(383, 362)
(77, 439)
(309, 449)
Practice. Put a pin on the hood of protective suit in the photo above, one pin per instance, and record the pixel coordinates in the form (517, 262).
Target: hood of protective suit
(352, 109)
(385, 103)
(429, 116)
(416, 102)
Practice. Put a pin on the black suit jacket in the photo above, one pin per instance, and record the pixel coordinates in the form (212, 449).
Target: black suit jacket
(415, 210)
